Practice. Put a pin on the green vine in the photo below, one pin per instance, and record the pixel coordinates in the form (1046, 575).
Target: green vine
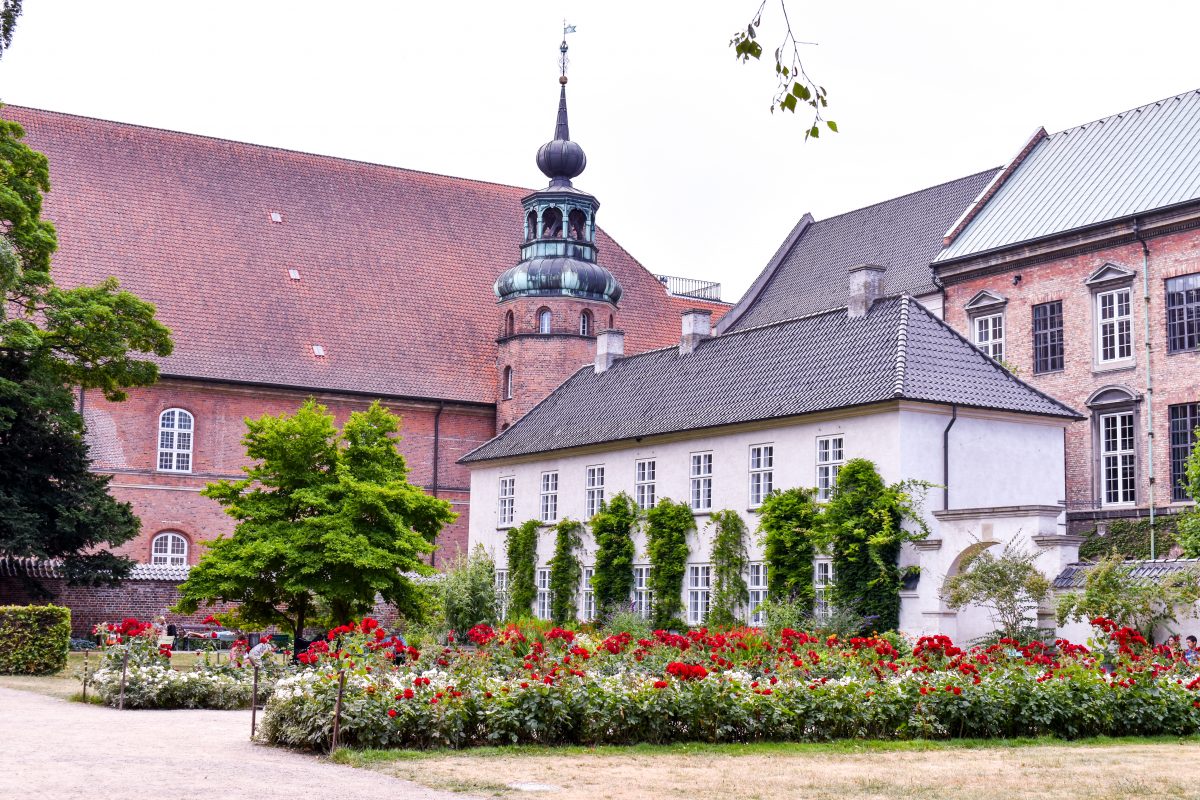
(565, 571)
(730, 561)
(521, 549)
(788, 521)
(612, 529)
(1131, 538)
(667, 527)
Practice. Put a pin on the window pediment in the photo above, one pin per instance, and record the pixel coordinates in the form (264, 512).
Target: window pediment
(986, 300)
(1109, 275)
(1112, 396)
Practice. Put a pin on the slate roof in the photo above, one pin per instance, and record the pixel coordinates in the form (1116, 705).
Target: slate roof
(396, 266)
(1073, 575)
(808, 273)
(1140, 160)
(11, 566)
(825, 361)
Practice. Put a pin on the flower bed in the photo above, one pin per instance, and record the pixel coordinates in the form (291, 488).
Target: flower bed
(524, 685)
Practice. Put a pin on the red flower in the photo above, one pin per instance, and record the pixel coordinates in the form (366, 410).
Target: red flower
(524, 685)
(391, 712)
(661, 684)
(408, 694)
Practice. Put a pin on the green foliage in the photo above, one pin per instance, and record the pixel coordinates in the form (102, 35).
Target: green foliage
(787, 522)
(1110, 590)
(612, 530)
(565, 571)
(9, 11)
(1187, 530)
(667, 527)
(322, 516)
(1131, 538)
(34, 639)
(864, 530)
(521, 551)
(468, 591)
(729, 564)
(1010, 586)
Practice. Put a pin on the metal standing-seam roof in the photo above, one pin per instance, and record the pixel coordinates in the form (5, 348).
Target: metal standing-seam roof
(1073, 575)
(826, 361)
(1140, 160)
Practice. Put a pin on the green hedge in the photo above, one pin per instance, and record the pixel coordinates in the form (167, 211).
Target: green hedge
(34, 639)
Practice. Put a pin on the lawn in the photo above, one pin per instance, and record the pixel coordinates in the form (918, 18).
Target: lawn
(65, 685)
(1042, 769)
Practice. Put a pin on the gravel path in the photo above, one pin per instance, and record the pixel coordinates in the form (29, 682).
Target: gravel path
(57, 749)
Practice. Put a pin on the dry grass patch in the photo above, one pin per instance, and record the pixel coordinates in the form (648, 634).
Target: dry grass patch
(1102, 770)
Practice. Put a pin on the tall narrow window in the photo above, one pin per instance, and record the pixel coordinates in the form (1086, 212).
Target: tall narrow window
(702, 470)
(1048, 337)
(169, 549)
(589, 595)
(1183, 313)
(1119, 459)
(585, 323)
(544, 596)
(643, 598)
(1114, 327)
(508, 500)
(549, 497)
(831, 455)
(1183, 420)
(989, 335)
(823, 580)
(545, 320)
(758, 593)
(508, 383)
(509, 324)
(762, 472)
(501, 593)
(595, 490)
(699, 592)
(175, 428)
(644, 483)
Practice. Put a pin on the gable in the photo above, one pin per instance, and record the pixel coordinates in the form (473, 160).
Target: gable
(1110, 275)
(986, 299)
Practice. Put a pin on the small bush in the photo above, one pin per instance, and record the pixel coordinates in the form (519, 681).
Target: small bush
(34, 639)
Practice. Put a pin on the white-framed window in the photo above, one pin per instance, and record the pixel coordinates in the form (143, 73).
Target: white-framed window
(589, 595)
(169, 549)
(642, 602)
(508, 500)
(549, 497)
(543, 593)
(758, 593)
(644, 483)
(1119, 459)
(762, 472)
(823, 580)
(831, 455)
(508, 383)
(989, 335)
(1114, 326)
(699, 592)
(545, 320)
(175, 429)
(594, 497)
(585, 323)
(702, 470)
(501, 593)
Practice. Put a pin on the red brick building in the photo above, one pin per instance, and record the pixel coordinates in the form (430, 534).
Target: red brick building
(284, 275)
(1079, 266)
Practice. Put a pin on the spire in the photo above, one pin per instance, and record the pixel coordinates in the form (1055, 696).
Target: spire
(561, 160)
(561, 132)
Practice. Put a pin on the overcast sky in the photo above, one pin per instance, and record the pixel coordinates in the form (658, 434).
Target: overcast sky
(695, 177)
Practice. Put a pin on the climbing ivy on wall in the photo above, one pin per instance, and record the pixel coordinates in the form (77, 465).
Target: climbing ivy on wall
(1131, 538)
(565, 571)
(612, 530)
(730, 561)
(521, 549)
(788, 521)
(667, 527)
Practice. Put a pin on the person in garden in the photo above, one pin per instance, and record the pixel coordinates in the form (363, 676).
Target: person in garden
(1174, 646)
(1191, 655)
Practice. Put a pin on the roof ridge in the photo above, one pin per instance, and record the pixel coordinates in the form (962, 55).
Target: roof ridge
(901, 348)
(1107, 117)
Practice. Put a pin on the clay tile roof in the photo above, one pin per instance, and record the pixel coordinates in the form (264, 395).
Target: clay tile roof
(396, 266)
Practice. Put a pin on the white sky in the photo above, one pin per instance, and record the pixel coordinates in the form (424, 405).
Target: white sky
(695, 177)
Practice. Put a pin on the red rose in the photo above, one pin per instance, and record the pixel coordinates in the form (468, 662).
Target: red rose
(408, 694)
(661, 684)
(524, 685)
(391, 712)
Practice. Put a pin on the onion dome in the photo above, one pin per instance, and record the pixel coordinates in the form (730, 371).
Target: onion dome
(558, 276)
(561, 160)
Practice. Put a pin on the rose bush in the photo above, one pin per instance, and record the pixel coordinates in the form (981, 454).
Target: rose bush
(524, 684)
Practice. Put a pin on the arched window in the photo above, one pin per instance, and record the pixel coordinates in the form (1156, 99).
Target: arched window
(175, 428)
(508, 324)
(585, 323)
(508, 383)
(545, 318)
(531, 226)
(552, 224)
(169, 549)
(577, 224)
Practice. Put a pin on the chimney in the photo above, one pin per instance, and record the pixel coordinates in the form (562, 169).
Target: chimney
(697, 326)
(866, 285)
(610, 345)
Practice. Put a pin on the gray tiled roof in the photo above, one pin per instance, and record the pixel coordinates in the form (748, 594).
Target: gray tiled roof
(821, 362)
(1136, 161)
(1073, 575)
(11, 566)
(903, 234)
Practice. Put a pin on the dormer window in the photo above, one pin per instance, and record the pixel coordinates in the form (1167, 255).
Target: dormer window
(585, 324)
(545, 319)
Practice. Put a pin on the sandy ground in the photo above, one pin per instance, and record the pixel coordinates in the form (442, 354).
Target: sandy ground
(52, 749)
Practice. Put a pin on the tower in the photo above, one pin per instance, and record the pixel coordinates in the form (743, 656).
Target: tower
(555, 301)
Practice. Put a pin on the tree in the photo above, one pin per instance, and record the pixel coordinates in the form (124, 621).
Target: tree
(521, 552)
(9, 11)
(52, 339)
(1111, 590)
(322, 516)
(1010, 586)
(729, 563)
(788, 521)
(469, 591)
(612, 530)
(565, 571)
(667, 527)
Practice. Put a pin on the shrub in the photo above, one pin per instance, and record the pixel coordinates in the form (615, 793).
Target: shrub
(34, 639)
(612, 530)
(667, 527)
(1010, 586)
(1111, 590)
(729, 561)
(787, 521)
(469, 591)
(565, 571)
(521, 549)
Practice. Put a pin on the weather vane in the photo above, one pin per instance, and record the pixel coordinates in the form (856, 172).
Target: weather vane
(562, 59)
